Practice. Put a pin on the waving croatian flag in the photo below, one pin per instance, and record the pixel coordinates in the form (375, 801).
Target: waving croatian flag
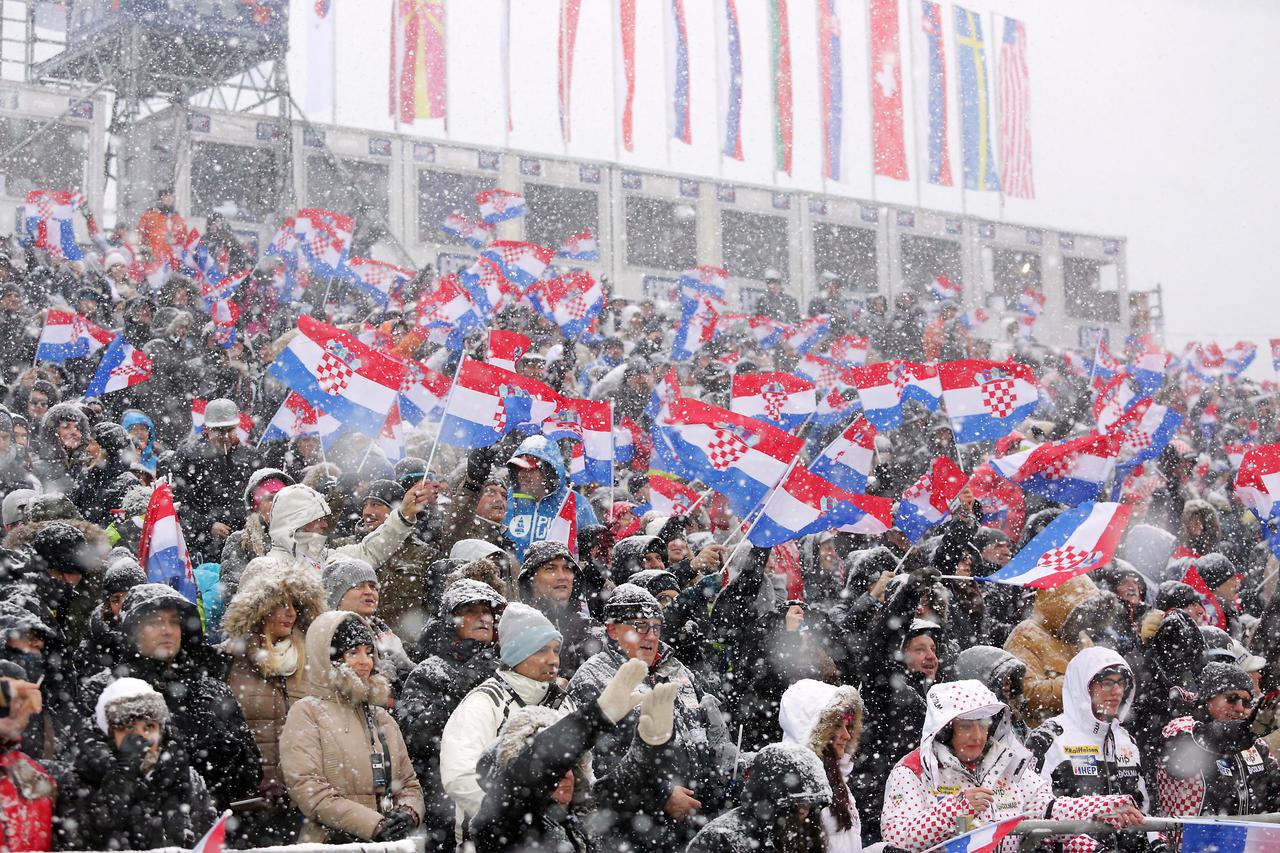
(572, 301)
(522, 264)
(987, 399)
(806, 503)
(296, 418)
(768, 332)
(121, 366)
(1001, 504)
(1206, 361)
(334, 371)
(1148, 369)
(1114, 401)
(507, 347)
(823, 372)
(564, 527)
(849, 350)
(487, 286)
(423, 394)
(927, 502)
(1229, 836)
(390, 439)
(324, 238)
(1070, 472)
(1031, 302)
(473, 232)
(499, 205)
(697, 327)
(1238, 358)
(973, 318)
(67, 335)
(580, 247)
(1077, 541)
(709, 282)
(378, 279)
(1144, 433)
(944, 288)
(740, 457)
(624, 441)
(984, 839)
(447, 313)
(884, 387)
(50, 218)
(590, 422)
(671, 497)
(847, 460)
(779, 398)
(1258, 481)
(488, 402)
(162, 550)
(244, 429)
(806, 334)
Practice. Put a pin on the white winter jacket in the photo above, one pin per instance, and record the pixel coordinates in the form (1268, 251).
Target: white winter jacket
(809, 714)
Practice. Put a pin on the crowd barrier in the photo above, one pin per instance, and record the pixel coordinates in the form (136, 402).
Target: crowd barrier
(407, 845)
(1035, 831)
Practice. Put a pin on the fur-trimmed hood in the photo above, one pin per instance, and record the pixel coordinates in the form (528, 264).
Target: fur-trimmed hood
(515, 736)
(24, 534)
(336, 682)
(254, 602)
(811, 711)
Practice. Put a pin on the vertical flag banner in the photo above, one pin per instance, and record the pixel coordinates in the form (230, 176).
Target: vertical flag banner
(418, 73)
(569, 10)
(831, 74)
(504, 57)
(677, 48)
(730, 74)
(780, 61)
(936, 62)
(975, 104)
(886, 91)
(625, 74)
(320, 49)
(1013, 99)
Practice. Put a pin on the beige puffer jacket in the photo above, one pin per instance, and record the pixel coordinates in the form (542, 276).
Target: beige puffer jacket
(264, 696)
(326, 745)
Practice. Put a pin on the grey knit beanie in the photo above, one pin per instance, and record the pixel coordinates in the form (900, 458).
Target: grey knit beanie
(344, 575)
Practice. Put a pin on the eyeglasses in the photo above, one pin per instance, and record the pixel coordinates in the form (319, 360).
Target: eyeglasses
(1113, 682)
(646, 628)
(1237, 699)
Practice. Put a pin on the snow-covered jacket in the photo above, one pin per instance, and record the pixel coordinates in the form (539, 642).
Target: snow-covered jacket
(529, 519)
(809, 714)
(297, 506)
(475, 723)
(924, 795)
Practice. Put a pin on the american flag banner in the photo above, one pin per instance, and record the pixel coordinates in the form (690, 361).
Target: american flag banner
(831, 78)
(935, 53)
(730, 73)
(975, 103)
(886, 91)
(780, 59)
(677, 47)
(417, 59)
(625, 73)
(569, 10)
(1013, 100)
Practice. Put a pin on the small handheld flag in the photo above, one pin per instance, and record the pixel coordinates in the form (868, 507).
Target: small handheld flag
(67, 335)
(162, 549)
(927, 502)
(121, 367)
(1077, 541)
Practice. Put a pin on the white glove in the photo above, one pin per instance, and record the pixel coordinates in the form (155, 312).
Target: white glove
(657, 714)
(619, 695)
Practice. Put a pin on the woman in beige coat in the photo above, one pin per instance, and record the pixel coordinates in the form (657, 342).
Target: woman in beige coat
(342, 754)
(265, 625)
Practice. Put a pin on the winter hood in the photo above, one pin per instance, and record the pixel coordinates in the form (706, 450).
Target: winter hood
(1053, 606)
(470, 550)
(336, 682)
(968, 700)
(254, 601)
(811, 711)
(784, 775)
(543, 450)
(1083, 668)
(295, 507)
(990, 665)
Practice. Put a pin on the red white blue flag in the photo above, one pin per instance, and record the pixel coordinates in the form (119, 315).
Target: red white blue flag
(781, 399)
(571, 301)
(447, 313)
(162, 550)
(973, 318)
(1229, 836)
(324, 238)
(984, 839)
(1013, 102)
(507, 347)
(580, 247)
(488, 288)
(768, 332)
(987, 399)
(68, 335)
(50, 218)
(670, 497)
(522, 264)
(488, 402)
(1031, 302)
(1275, 354)
(1206, 361)
(499, 205)
(474, 232)
(589, 423)
(296, 418)
(379, 280)
(333, 371)
(1070, 472)
(1077, 541)
(825, 373)
(423, 394)
(935, 53)
(697, 327)
(1238, 358)
(730, 72)
(847, 460)
(831, 77)
(121, 367)
(944, 288)
(564, 527)
(849, 350)
(927, 502)
(806, 334)
(884, 387)
(1258, 481)
(677, 43)
(806, 503)
(704, 282)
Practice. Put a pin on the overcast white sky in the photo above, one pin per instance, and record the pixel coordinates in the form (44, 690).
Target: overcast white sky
(1155, 120)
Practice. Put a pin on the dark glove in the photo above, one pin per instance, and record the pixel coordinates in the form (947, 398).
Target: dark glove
(1228, 736)
(273, 789)
(130, 753)
(396, 825)
(479, 464)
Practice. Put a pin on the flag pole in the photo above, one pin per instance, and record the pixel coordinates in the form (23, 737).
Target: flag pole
(462, 356)
(613, 479)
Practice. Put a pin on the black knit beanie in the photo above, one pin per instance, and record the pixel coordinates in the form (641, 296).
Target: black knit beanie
(1218, 678)
(352, 632)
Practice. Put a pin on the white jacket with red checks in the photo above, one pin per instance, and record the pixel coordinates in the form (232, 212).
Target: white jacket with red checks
(923, 803)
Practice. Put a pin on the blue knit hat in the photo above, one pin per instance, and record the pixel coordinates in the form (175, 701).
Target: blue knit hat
(522, 631)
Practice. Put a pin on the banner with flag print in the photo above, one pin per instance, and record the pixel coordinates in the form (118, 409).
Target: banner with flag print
(805, 503)
(423, 394)
(678, 77)
(986, 399)
(565, 44)
(939, 131)
(625, 71)
(1077, 541)
(927, 502)
(780, 67)
(50, 223)
(729, 72)
(68, 335)
(418, 54)
(1069, 472)
(499, 205)
(333, 371)
(580, 247)
(162, 549)
(121, 367)
(740, 457)
(781, 399)
(975, 103)
(474, 232)
(888, 139)
(1013, 104)
(488, 402)
(885, 386)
